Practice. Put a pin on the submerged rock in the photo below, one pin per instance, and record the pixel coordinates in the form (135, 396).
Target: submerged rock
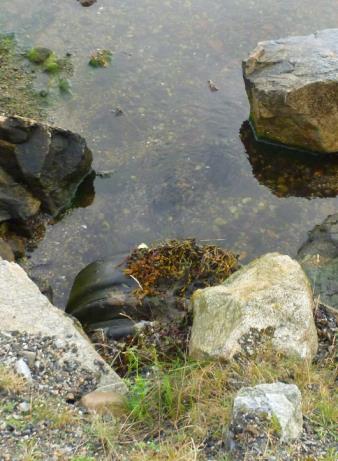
(269, 299)
(278, 400)
(38, 55)
(87, 2)
(49, 162)
(292, 86)
(319, 258)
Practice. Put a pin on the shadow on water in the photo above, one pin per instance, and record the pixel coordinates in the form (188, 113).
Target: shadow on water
(288, 173)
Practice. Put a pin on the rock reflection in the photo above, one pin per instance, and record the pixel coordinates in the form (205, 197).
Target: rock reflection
(289, 173)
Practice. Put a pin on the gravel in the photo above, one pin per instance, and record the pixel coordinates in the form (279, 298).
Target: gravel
(43, 419)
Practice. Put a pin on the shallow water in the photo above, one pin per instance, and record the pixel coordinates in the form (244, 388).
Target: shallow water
(178, 166)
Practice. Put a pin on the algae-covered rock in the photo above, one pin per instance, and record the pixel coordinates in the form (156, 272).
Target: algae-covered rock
(271, 296)
(39, 55)
(319, 258)
(292, 86)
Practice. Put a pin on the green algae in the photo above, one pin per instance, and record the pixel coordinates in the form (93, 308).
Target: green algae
(38, 55)
(100, 58)
(17, 94)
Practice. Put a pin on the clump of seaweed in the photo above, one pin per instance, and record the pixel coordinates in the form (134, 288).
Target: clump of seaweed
(180, 263)
(100, 58)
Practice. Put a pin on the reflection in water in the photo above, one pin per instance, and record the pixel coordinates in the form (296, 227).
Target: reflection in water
(288, 173)
(85, 193)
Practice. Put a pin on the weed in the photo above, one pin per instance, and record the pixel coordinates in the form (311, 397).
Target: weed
(182, 265)
(57, 415)
(11, 382)
(52, 65)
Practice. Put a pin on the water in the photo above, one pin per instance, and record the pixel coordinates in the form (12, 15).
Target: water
(178, 166)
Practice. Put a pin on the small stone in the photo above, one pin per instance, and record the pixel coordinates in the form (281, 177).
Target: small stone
(104, 402)
(24, 407)
(143, 246)
(282, 401)
(87, 2)
(212, 86)
(22, 369)
(59, 343)
(30, 357)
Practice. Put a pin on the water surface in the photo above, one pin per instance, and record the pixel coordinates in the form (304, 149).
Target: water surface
(178, 166)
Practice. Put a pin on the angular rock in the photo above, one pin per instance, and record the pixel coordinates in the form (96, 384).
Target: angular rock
(292, 86)
(282, 401)
(319, 258)
(23, 308)
(50, 162)
(271, 294)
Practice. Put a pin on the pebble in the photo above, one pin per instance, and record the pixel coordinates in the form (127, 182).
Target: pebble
(104, 402)
(30, 357)
(24, 407)
(22, 369)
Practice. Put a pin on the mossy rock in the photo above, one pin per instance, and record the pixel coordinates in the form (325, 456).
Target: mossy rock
(39, 55)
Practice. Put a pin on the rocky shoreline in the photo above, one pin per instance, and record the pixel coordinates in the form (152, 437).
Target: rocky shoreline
(175, 352)
(54, 402)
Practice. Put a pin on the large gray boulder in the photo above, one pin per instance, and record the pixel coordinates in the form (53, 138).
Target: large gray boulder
(48, 162)
(319, 259)
(269, 298)
(292, 86)
(278, 400)
(24, 309)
